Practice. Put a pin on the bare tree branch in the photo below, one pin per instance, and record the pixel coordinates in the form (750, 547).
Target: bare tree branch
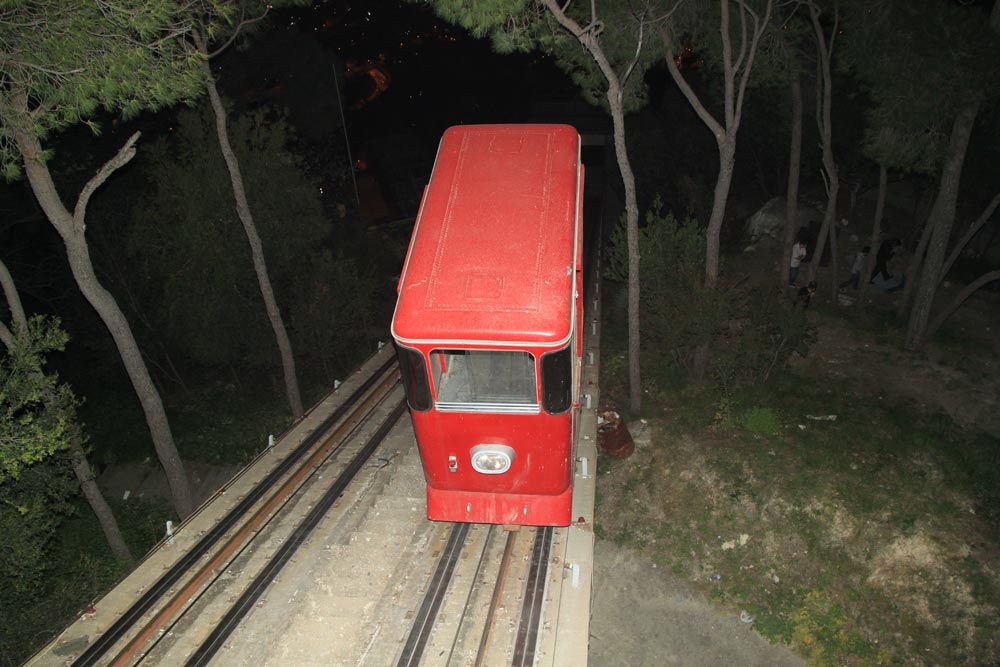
(13, 300)
(959, 299)
(717, 130)
(120, 159)
(638, 51)
(743, 36)
(7, 338)
(244, 22)
(973, 228)
(759, 27)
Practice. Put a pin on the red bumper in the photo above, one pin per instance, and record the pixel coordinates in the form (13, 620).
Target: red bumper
(500, 508)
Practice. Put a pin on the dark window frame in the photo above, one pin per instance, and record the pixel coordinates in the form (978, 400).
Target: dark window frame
(416, 382)
(552, 403)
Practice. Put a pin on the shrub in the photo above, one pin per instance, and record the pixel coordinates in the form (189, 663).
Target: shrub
(750, 331)
(677, 312)
(764, 330)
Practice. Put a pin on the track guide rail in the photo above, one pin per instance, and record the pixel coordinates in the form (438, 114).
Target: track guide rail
(165, 584)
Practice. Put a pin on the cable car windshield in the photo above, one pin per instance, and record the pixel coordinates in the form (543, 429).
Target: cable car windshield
(484, 381)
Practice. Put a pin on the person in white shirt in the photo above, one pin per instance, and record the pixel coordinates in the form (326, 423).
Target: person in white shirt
(799, 253)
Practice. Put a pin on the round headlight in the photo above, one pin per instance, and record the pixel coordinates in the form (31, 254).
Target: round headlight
(492, 459)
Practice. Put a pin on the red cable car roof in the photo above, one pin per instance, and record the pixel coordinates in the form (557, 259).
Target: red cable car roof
(491, 259)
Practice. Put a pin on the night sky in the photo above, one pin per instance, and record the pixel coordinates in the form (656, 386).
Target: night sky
(407, 71)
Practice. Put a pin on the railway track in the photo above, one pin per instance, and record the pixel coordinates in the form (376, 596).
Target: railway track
(312, 474)
(345, 501)
(483, 633)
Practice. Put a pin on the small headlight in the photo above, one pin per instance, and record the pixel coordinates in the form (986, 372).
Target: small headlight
(492, 459)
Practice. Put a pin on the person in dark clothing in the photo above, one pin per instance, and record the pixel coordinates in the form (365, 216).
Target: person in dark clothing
(806, 294)
(885, 253)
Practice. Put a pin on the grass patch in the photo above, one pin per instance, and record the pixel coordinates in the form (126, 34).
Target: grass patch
(866, 540)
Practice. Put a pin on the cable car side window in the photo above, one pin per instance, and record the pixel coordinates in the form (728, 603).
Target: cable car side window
(484, 381)
(414, 372)
(557, 380)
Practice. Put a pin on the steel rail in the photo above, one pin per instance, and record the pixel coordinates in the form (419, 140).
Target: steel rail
(131, 616)
(249, 528)
(534, 597)
(424, 622)
(242, 607)
(472, 589)
(495, 600)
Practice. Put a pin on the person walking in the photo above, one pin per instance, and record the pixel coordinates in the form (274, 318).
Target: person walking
(857, 266)
(799, 252)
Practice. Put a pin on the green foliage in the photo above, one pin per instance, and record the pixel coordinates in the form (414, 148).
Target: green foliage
(32, 508)
(193, 276)
(86, 569)
(330, 312)
(760, 421)
(751, 331)
(62, 62)
(677, 312)
(526, 25)
(756, 420)
(483, 18)
(919, 62)
(762, 331)
(36, 413)
(37, 421)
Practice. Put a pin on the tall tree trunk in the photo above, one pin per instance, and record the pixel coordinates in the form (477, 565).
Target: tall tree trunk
(727, 159)
(825, 230)
(913, 270)
(589, 40)
(794, 170)
(973, 229)
(256, 247)
(78, 456)
(824, 113)
(736, 74)
(869, 267)
(958, 301)
(834, 259)
(71, 227)
(632, 240)
(941, 220)
(100, 507)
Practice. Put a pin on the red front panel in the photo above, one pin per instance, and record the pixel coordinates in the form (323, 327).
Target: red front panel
(536, 490)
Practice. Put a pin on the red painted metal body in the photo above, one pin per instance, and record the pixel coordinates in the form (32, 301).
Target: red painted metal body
(487, 324)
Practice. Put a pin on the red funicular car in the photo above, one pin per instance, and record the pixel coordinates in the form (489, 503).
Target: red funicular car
(487, 324)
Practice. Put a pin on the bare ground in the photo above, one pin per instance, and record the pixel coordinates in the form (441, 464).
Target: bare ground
(644, 615)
